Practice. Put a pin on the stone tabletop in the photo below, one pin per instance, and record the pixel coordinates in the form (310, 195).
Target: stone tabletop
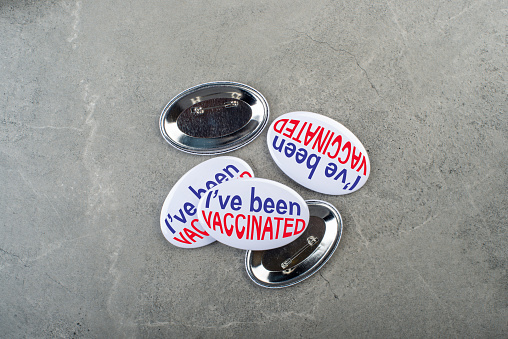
(84, 170)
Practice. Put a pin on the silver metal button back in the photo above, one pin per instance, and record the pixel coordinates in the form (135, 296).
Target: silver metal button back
(214, 118)
(295, 262)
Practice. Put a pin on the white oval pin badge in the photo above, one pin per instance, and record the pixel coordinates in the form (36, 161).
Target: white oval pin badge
(318, 152)
(179, 221)
(253, 214)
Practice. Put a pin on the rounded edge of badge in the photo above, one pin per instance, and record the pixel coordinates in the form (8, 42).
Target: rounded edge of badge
(216, 147)
(276, 279)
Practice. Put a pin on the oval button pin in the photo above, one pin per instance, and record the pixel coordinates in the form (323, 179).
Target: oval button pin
(179, 221)
(213, 118)
(253, 214)
(318, 153)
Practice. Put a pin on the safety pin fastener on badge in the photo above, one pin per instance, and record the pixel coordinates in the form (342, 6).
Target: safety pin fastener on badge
(201, 110)
(311, 241)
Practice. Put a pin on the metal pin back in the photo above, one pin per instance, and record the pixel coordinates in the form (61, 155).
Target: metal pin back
(214, 118)
(298, 260)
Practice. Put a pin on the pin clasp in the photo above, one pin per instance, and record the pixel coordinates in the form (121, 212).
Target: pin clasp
(311, 241)
(201, 110)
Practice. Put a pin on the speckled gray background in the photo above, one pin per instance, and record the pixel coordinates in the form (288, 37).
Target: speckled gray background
(84, 170)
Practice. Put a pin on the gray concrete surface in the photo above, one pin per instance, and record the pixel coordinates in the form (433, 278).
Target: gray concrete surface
(84, 170)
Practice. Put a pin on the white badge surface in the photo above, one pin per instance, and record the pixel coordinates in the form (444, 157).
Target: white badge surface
(318, 152)
(179, 221)
(253, 214)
